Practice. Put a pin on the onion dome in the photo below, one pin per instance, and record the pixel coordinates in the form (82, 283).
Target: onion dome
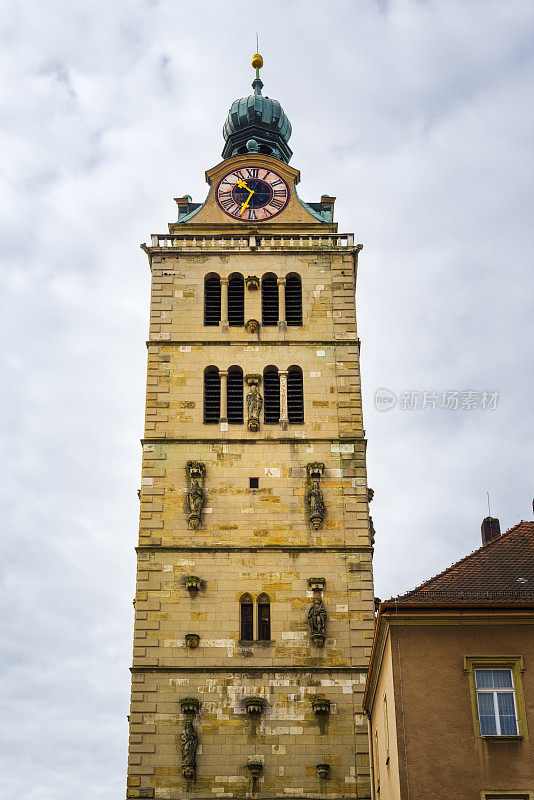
(257, 124)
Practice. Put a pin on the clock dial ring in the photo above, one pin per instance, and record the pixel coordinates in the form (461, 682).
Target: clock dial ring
(252, 194)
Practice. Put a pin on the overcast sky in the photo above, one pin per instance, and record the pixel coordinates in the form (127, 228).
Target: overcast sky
(418, 116)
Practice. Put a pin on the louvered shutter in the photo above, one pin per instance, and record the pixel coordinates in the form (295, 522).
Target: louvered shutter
(235, 396)
(295, 396)
(271, 397)
(212, 396)
(269, 300)
(293, 300)
(212, 300)
(236, 300)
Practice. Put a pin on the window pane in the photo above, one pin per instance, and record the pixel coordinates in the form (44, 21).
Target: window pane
(502, 678)
(486, 712)
(484, 678)
(505, 703)
(264, 622)
(247, 632)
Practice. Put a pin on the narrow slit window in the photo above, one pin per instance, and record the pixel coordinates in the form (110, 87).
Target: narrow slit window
(236, 300)
(264, 618)
(269, 299)
(246, 618)
(295, 396)
(293, 300)
(212, 396)
(234, 386)
(254, 483)
(271, 396)
(212, 300)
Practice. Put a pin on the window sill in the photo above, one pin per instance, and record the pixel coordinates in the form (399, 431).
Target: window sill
(251, 642)
(497, 738)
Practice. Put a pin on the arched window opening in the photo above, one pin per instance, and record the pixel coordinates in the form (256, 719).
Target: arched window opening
(212, 396)
(236, 300)
(269, 299)
(293, 300)
(295, 396)
(235, 396)
(264, 618)
(212, 300)
(271, 396)
(246, 621)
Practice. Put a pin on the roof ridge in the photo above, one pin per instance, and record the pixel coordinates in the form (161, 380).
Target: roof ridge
(497, 539)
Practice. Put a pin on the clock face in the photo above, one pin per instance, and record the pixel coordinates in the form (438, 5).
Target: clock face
(252, 194)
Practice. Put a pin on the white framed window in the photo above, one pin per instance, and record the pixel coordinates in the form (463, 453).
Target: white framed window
(497, 710)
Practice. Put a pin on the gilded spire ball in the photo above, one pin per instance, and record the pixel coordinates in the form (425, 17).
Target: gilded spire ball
(257, 61)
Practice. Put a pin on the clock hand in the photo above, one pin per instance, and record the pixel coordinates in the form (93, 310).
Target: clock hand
(245, 204)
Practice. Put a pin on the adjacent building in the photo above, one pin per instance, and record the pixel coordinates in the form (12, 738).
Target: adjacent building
(450, 690)
(254, 605)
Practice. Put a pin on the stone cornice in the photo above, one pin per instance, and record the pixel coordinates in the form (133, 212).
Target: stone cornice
(236, 668)
(253, 342)
(276, 548)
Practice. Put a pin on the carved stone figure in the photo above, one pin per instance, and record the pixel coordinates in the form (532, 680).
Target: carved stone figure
(317, 620)
(315, 504)
(196, 498)
(314, 500)
(189, 745)
(254, 406)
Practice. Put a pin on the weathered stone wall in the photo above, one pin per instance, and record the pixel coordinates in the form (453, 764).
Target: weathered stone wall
(288, 735)
(177, 308)
(166, 610)
(273, 514)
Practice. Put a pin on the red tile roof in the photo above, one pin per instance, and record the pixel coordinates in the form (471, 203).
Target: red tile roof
(498, 572)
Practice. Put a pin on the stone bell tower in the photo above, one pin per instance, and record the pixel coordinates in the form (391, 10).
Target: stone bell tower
(254, 601)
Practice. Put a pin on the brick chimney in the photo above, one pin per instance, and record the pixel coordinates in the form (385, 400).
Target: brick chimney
(490, 528)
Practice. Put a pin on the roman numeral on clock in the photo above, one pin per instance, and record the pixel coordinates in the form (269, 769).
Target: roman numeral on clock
(226, 200)
(277, 203)
(252, 172)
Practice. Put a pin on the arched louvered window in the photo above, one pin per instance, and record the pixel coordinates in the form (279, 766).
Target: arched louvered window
(212, 395)
(212, 300)
(235, 395)
(236, 300)
(293, 300)
(271, 396)
(264, 618)
(295, 396)
(269, 299)
(246, 618)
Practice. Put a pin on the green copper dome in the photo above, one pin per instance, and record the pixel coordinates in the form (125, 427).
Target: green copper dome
(257, 124)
